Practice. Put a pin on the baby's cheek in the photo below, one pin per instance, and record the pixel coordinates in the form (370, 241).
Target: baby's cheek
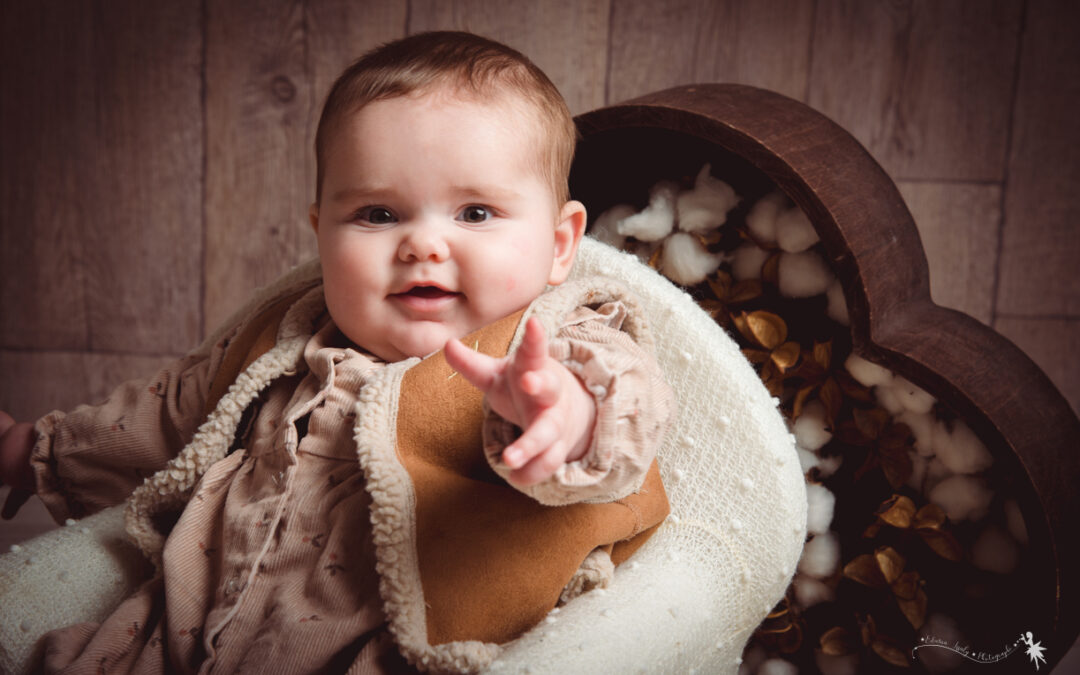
(511, 284)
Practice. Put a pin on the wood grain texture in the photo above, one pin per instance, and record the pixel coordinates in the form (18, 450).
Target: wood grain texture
(45, 75)
(102, 157)
(1053, 344)
(567, 39)
(258, 108)
(926, 86)
(1041, 241)
(661, 44)
(269, 65)
(36, 383)
(958, 225)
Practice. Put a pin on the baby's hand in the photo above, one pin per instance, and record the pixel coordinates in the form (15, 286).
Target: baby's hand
(16, 444)
(539, 395)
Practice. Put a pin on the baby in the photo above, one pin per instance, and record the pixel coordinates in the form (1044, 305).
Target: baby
(361, 473)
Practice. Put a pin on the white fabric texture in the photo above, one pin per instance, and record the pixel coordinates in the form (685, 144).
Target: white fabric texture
(688, 600)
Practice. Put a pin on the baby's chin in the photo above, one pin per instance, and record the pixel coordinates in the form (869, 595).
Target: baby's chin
(420, 342)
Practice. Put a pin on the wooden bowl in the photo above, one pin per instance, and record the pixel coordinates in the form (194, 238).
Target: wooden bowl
(757, 140)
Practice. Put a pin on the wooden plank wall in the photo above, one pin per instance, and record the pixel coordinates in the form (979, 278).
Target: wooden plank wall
(156, 160)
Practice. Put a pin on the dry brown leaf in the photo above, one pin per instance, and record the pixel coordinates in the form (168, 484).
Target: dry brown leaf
(770, 270)
(823, 354)
(767, 329)
(906, 585)
(930, 517)
(745, 290)
(800, 400)
(871, 422)
(914, 608)
(897, 511)
(720, 283)
(833, 400)
(786, 355)
(872, 530)
(896, 464)
(865, 570)
(755, 356)
(890, 562)
(654, 259)
(837, 641)
(942, 543)
(890, 653)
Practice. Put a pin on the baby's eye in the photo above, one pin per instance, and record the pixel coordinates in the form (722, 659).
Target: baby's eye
(376, 215)
(475, 214)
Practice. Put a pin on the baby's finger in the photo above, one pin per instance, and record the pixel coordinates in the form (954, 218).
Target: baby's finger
(15, 499)
(537, 437)
(479, 369)
(542, 467)
(533, 351)
(543, 386)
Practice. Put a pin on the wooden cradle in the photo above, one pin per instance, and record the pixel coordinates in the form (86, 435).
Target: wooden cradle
(757, 139)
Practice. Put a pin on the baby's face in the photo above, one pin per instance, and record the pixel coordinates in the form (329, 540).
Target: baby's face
(434, 221)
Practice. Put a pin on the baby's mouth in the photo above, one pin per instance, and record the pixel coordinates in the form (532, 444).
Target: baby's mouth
(425, 298)
(428, 292)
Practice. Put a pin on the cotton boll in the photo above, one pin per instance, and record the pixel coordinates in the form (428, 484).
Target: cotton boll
(922, 426)
(919, 466)
(837, 305)
(960, 449)
(803, 275)
(888, 399)
(606, 227)
(820, 557)
(995, 551)
(912, 397)
(657, 219)
(837, 665)
(1014, 520)
(794, 233)
(962, 497)
(686, 261)
(935, 473)
(867, 373)
(707, 205)
(807, 459)
(942, 629)
(746, 262)
(811, 429)
(776, 666)
(762, 217)
(810, 591)
(827, 466)
(820, 505)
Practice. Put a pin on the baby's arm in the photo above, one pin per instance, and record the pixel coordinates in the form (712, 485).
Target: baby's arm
(16, 443)
(538, 394)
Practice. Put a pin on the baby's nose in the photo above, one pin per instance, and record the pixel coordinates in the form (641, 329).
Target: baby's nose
(423, 242)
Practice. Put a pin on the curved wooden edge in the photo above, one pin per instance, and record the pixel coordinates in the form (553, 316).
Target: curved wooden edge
(874, 247)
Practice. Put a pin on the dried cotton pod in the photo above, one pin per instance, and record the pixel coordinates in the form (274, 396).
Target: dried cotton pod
(685, 261)
(657, 219)
(706, 206)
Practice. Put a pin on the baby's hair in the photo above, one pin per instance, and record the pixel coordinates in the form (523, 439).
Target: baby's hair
(467, 62)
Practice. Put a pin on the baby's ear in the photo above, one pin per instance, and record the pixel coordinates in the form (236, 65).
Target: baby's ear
(313, 216)
(568, 233)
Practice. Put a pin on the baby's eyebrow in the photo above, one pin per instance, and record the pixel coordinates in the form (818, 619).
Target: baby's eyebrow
(375, 193)
(486, 192)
